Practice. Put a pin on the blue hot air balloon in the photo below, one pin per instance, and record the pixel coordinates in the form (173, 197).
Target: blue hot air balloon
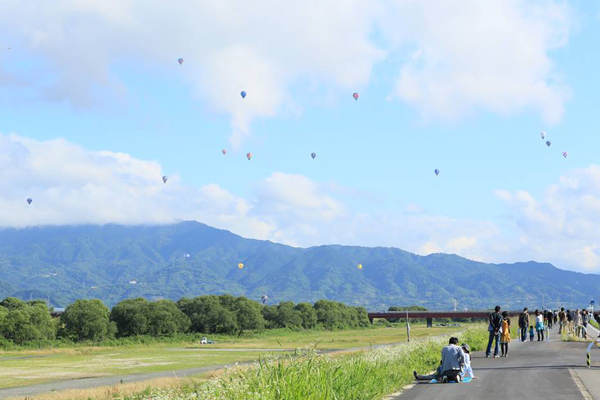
(313, 155)
(437, 172)
(243, 94)
(165, 179)
(29, 201)
(548, 143)
(180, 61)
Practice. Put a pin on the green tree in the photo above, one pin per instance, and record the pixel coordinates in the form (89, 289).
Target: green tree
(248, 315)
(207, 314)
(165, 319)
(307, 315)
(87, 320)
(130, 317)
(269, 313)
(287, 316)
(22, 322)
(329, 314)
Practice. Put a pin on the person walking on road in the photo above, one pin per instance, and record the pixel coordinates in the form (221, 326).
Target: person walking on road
(570, 318)
(539, 325)
(562, 320)
(505, 335)
(524, 323)
(585, 319)
(578, 323)
(548, 314)
(494, 328)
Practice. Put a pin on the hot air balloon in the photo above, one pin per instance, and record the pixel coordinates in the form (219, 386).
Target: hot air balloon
(165, 179)
(243, 94)
(264, 298)
(548, 143)
(29, 201)
(565, 154)
(180, 61)
(437, 172)
(355, 95)
(359, 266)
(240, 265)
(224, 151)
(313, 155)
(543, 135)
(249, 156)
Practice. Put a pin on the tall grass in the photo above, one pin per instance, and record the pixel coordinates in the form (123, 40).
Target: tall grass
(370, 374)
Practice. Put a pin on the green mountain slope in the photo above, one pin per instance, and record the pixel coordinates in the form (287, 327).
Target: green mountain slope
(115, 262)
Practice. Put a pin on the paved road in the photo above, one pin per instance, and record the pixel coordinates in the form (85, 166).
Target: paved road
(533, 370)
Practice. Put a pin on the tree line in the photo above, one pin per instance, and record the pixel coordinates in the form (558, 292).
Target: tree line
(91, 320)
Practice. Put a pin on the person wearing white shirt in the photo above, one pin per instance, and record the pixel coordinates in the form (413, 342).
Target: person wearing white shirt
(467, 371)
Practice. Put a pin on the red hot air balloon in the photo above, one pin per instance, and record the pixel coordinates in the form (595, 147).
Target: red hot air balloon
(355, 95)
(249, 156)
(224, 151)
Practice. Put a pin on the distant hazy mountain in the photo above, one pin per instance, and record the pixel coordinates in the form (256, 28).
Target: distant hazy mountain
(114, 262)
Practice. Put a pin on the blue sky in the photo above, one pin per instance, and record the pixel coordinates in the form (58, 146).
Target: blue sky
(372, 182)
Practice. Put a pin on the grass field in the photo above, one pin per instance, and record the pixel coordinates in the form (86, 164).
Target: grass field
(21, 368)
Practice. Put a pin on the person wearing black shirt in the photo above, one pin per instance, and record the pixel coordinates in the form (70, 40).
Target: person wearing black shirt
(494, 328)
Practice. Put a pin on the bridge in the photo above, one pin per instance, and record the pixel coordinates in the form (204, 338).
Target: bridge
(430, 315)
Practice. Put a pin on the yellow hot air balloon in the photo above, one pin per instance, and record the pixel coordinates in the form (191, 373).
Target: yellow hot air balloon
(359, 266)
(240, 265)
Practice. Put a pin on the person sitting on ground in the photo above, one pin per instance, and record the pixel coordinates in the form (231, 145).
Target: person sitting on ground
(467, 371)
(453, 360)
(505, 336)
(539, 325)
(524, 323)
(531, 333)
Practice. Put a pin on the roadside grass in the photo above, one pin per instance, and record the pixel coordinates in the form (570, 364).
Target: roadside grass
(368, 374)
(28, 367)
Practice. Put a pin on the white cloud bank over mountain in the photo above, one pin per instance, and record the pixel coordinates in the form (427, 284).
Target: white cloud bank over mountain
(452, 56)
(72, 185)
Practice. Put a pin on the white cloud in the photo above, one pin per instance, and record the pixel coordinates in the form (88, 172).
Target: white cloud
(72, 185)
(489, 55)
(563, 226)
(467, 55)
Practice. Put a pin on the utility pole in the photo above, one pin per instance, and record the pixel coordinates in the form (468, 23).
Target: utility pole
(542, 301)
(407, 327)
(571, 299)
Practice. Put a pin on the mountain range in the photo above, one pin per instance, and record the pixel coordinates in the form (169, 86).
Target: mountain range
(115, 262)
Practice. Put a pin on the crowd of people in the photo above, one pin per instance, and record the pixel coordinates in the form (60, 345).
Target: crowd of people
(455, 365)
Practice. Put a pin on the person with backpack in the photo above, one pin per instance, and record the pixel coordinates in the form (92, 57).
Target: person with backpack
(524, 323)
(494, 329)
